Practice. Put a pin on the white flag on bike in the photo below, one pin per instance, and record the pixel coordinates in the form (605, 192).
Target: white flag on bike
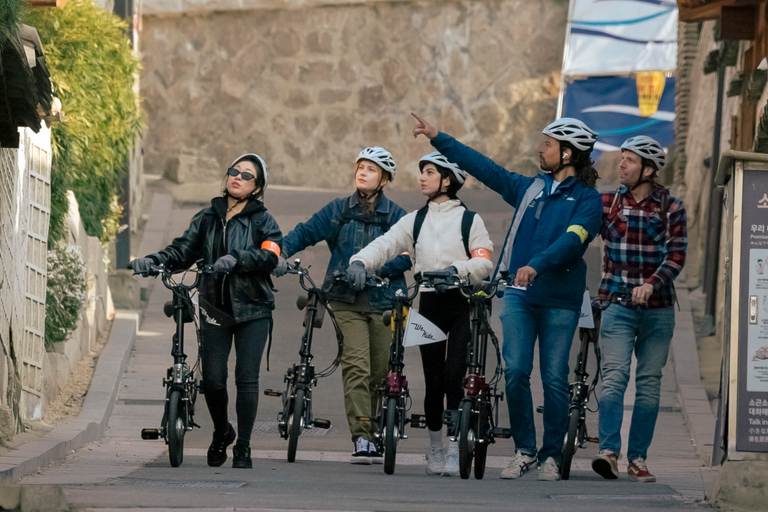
(585, 317)
(420, 331)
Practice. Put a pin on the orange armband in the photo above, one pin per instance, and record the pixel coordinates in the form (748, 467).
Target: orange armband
(481, 253)
(271, 246)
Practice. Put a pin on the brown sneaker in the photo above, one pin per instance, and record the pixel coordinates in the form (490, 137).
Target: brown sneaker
(638, 471)
(606, 464)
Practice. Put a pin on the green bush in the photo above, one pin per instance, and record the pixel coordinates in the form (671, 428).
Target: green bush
(9, 17)
(93, 70)
(66, 292)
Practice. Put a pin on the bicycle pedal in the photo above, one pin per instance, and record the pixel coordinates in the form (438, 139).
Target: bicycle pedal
(321, 423)
(150, 433)
(272, 392)
(418, 421)
(592, 440)
(503, 433)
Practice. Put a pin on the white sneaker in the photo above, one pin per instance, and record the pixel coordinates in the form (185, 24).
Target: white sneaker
(435, 459)
(376, 457)
(361, 455)
(518, 466)
(549, 470)
(452, 460)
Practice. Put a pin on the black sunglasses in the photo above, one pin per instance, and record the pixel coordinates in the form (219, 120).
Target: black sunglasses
(244, 175)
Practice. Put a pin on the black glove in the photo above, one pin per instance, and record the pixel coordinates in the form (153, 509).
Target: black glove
(356, 275)
(141, 266)
(225, 264)
(282, 267)
(441, 286)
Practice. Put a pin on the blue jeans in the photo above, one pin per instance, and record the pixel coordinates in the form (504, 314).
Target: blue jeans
(249, 339)
(647, 333)
(522, 324)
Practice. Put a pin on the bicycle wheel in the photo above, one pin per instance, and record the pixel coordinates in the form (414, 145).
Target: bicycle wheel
(571, 443)
(177, 427)
(466, 440)
(391, 435)
(295, 427)
(481, 449)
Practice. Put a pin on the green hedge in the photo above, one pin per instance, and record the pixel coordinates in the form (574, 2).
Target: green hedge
(10, 10)
(66, 292)
(93, 69)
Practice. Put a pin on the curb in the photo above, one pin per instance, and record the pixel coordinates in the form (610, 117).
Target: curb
(693, 399)
(91, 423)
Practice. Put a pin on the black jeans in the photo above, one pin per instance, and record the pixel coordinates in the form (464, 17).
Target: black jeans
(250, 339)
(445, 362)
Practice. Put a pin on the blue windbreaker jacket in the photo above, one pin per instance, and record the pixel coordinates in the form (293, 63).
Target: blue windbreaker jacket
(552, 235)
(341, 224)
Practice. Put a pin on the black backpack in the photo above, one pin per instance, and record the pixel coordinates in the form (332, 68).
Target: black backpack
(466, 225)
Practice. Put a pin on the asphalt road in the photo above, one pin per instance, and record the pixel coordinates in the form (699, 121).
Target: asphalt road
(123, 472)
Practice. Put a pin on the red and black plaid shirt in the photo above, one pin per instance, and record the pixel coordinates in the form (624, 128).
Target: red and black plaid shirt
(643, 243)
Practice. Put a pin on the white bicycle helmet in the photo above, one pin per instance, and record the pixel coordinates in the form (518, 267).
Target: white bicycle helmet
(262, 163)
(572, 130)
(380, 157)
(646, 147)
(437, 158)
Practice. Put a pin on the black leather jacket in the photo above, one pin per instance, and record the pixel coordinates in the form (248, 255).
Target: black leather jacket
(245, 293)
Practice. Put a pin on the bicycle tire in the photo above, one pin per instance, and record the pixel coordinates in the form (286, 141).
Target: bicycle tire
(295, 430)
(481, 449)
(391, 436)
(465, 444)
(177, 427)
(570, 444)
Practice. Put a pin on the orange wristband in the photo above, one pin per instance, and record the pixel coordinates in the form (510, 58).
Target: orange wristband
(271, 246)
(481, 253)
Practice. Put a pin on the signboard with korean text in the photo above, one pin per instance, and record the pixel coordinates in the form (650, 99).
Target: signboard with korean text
(752, 384)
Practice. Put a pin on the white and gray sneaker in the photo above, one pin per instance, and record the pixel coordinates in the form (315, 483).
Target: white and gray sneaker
(518, 466)
(361, 455)
(376, 456)
(452, 459)
(435, 459)
(549, 470)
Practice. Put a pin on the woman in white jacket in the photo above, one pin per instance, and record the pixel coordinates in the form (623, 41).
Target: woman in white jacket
(440, 246)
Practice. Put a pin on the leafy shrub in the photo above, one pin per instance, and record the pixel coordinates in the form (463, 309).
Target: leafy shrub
(66, 292)
(93, 69)
(9, 17)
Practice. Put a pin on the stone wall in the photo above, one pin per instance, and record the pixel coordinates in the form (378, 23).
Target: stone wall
(309, 88)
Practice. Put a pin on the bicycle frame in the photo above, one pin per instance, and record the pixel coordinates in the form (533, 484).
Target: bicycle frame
(300, 378)
(581, 388)
(474, 424)
(394, 394)
(180, 382)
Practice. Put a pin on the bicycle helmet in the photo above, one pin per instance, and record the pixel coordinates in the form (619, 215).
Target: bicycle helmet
(438, 159)
(380, 157)
(568, 129)
(646, 147)
(261, 164)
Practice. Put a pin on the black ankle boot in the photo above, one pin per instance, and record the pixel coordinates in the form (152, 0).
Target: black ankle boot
(241, 457)
(217, 452)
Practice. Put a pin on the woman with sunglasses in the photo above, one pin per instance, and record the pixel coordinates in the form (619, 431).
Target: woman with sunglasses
(241, 240)
(348, 224)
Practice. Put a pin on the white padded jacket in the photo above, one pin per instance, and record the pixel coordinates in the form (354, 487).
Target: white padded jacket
(439, 245)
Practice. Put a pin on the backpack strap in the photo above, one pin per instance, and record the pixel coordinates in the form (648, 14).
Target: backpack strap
(467, 219)
(466, 225)
(421, 214)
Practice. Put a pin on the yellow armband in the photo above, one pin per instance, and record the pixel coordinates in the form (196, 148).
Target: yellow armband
(580, 232)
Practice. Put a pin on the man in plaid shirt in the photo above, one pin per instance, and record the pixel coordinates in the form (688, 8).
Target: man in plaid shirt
(644, 235)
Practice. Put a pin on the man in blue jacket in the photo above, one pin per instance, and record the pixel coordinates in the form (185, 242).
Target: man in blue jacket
(557, 214)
